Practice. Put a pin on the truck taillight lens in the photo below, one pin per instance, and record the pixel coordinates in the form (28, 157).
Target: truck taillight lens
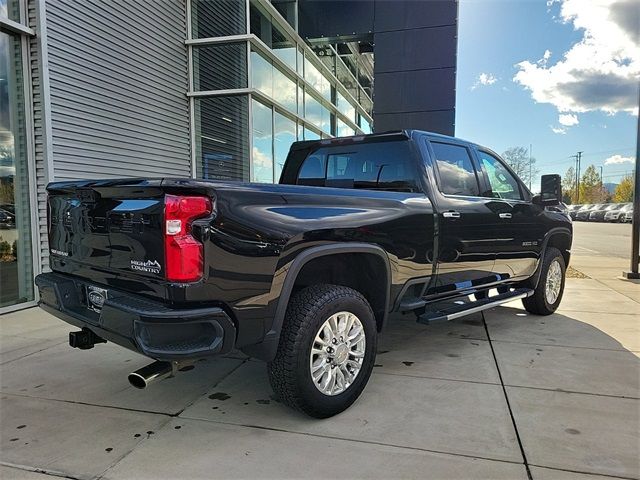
(184, 261)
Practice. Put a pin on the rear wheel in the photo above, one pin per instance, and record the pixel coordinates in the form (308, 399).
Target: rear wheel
(326, 351)
(548, 293)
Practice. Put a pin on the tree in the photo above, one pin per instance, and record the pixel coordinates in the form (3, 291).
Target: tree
(569, 186)
(624, 190)
(591, 189)
(518, 160)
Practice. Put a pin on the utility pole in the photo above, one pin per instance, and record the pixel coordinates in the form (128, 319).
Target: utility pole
(601, 181)
(634, 272)
(578, 158)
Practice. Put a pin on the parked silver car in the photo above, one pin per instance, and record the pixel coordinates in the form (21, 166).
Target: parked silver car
(623, 213)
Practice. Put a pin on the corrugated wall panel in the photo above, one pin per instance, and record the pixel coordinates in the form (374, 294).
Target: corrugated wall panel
(40, 161)
(118, 83)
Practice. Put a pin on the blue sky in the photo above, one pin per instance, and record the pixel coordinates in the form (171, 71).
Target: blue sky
(589, 77)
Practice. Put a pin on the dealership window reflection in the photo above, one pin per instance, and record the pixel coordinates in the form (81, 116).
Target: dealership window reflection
(262, 155)
(284, 136)
(16, 266)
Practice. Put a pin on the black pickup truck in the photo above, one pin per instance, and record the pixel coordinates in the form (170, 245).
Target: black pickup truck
(305, 273)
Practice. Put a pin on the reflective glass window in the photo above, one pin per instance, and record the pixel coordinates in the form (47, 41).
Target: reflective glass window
(16, 257)
(220, 67)
(300, 63)
(345, 107)
(316, 79)
(266, 29)
(262, 136)
(261, 74)
(272, 82)
(456, 171)
(365, 126)
(221, 125)
(283, 136)
(284, 48)
(316, 113)
(344, 130)
(300, 101)
(284, 90)
(210, 18)
(310, 134)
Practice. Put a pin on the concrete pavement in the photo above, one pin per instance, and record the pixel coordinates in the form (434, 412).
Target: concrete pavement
(486, 396)
(602, 239)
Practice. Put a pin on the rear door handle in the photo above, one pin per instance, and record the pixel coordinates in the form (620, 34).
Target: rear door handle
(504, 215)
(451, 214)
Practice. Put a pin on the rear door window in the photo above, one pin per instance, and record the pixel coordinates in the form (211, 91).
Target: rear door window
(386, 166)
(455, 169)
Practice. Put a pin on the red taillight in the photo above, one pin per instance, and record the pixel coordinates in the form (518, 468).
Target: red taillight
(184, 260)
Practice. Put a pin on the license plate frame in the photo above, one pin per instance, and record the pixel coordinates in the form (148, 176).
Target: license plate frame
(96, 297)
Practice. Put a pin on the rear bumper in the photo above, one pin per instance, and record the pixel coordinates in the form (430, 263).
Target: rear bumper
(147, 327)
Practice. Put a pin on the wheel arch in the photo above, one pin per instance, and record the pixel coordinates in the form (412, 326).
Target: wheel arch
(320, 263)
(560, 238)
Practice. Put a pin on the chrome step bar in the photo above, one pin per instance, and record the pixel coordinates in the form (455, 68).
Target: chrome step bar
(457, 311)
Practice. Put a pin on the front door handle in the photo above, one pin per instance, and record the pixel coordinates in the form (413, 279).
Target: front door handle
(451, 214)
(504, 215)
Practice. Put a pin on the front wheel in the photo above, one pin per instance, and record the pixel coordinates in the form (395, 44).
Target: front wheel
(548, 293)
(326, 352)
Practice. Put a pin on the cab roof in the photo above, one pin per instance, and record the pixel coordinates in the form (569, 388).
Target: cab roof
(383, 136)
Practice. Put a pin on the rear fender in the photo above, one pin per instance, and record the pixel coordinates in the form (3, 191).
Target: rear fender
(268, 348)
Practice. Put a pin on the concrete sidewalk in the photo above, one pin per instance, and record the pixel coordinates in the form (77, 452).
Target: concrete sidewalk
(487, 396)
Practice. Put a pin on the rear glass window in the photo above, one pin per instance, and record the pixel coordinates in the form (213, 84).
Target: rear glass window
(372, 166)
(457, 175)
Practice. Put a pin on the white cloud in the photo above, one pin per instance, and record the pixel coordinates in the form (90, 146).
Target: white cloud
(568, 119)
(261, 159)
(484, 79)
(545, 58)
(558, 130)
(601, 71)
(618, 159)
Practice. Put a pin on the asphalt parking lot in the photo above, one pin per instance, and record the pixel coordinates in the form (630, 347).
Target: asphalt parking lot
(500, 395)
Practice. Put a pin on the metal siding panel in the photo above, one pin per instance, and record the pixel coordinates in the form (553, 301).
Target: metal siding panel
(118, 75)
(38, 134)
(415, 91)
(438, 122)
(407, 14)
(416, 49)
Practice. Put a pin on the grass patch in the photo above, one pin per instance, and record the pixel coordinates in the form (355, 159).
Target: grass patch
(573, 273)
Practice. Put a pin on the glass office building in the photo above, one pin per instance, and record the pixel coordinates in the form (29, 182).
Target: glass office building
(257, 87)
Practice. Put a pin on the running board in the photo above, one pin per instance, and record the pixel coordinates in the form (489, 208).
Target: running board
(457, 311)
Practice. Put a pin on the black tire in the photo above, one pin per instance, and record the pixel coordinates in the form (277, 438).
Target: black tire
(537, 303)
(289, 372)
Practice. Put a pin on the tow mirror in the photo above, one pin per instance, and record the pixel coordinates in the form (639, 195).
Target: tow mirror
(550, 191)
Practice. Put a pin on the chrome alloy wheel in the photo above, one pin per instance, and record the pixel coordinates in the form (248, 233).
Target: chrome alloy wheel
(553, 283)
(337, 353)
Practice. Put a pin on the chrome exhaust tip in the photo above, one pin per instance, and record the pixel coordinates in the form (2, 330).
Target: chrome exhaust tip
(153, 372)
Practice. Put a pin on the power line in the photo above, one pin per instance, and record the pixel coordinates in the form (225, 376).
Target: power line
(589, 154)
(609, 151)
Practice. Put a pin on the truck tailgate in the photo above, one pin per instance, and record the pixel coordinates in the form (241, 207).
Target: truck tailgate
(113, 227)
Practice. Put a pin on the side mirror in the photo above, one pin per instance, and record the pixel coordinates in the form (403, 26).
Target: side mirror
(550, 191)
